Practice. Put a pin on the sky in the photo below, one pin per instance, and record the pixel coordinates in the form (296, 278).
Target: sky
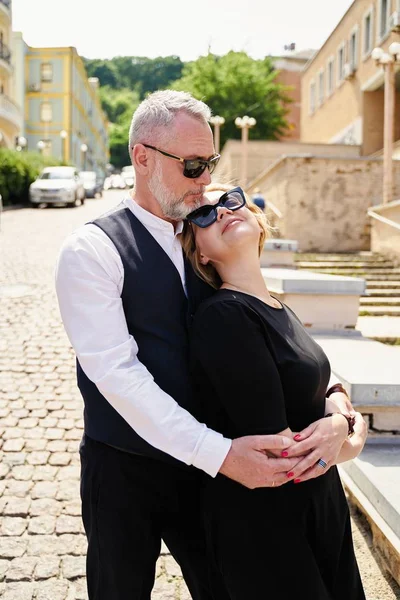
(183, 28)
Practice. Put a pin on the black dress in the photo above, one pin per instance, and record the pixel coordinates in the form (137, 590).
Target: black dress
(256, 370)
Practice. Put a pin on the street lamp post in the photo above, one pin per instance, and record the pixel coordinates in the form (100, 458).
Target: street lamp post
(84, 150)
(217, 121)
(21, 143)
(387, 61)
(244, 123)
(63, 136)
(40, 146)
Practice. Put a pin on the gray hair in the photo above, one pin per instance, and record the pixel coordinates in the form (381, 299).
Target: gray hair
(153, 117)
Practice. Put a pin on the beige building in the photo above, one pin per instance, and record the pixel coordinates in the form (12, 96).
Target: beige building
(10, 112)
(290, 66)
(342, 86)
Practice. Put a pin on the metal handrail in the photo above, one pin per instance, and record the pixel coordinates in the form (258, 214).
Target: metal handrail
(5, 53)
(274, 209)
(375, 215)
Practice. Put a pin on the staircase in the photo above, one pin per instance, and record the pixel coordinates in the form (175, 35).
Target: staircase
(382, 276)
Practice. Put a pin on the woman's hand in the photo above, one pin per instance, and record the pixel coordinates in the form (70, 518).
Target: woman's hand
(339, 402)
(354, 444)
(324, 440)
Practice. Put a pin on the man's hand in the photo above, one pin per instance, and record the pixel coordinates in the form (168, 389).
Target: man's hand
(248, 464)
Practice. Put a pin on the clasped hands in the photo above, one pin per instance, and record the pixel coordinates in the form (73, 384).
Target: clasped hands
(273, 460)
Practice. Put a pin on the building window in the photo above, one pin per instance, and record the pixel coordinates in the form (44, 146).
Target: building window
(312, 98)
(384, 18)
(46, 72)
(321, 87)
(331, 76)
(353, 49)
(367, 33)
(46, 112)
(340, 64)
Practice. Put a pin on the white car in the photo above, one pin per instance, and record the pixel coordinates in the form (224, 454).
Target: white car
(128, 175)
(57, 185)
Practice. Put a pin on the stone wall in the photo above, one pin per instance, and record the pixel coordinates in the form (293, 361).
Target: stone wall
(324, 201)
(385, 238)
(263, 153)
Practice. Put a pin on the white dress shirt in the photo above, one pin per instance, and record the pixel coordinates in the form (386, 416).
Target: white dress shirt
(89, 279)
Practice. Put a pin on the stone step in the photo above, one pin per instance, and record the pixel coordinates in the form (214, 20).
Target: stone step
(372, 481)
(344, 265)
(393, 285)
(366, 257)
(371, 311)
(379, 301)
(381, 279)
(382, 292)
(358, 273)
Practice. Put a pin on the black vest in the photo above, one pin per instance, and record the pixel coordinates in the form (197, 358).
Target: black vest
(158, 316)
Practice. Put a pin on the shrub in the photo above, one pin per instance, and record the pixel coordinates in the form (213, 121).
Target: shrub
(17, 171)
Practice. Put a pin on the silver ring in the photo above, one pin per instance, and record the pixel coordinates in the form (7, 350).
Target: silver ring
(321, 463)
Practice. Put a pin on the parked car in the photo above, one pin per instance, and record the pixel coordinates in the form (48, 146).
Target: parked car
(128, 175)
(92, 183)
(114, 182)
(57, 185)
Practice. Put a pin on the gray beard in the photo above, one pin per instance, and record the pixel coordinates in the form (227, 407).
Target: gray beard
(172, 207)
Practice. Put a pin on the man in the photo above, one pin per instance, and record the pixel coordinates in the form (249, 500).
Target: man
(126, 295)
(258, 199)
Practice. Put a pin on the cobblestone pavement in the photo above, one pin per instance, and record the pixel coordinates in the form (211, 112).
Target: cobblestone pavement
(42, 544)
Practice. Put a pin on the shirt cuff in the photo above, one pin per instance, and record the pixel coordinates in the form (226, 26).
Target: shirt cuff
(211, 452)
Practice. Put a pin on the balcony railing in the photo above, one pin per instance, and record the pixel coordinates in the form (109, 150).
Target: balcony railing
(10, 111)
(5, 53)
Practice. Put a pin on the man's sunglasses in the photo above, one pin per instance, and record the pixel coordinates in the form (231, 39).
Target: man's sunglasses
(207, 215)
(192, 167)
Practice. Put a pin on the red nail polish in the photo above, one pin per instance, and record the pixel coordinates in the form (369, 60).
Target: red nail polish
(297, 437)
(290, 474)
(284, 453)
(297, 480)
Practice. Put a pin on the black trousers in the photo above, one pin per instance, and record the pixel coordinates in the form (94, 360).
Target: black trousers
(130, 503)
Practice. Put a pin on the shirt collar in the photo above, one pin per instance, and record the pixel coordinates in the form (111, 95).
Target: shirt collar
(152, 221)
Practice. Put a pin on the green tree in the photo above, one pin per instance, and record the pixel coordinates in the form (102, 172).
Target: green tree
(119, 105)
(17, 171)
(234, 85)
(105, 70)
(137, 73)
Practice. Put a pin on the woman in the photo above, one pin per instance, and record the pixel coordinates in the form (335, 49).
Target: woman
(256, 370)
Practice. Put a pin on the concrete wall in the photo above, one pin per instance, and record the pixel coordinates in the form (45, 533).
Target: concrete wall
(263, 154)
(324, 201)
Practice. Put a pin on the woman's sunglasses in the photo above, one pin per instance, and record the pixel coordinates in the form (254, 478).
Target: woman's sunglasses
(192, 167)
(207, 215)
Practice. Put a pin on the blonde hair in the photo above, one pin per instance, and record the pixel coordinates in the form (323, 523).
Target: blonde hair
(208, 272)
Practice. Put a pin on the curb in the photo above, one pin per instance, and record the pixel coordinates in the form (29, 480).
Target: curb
(385, 541)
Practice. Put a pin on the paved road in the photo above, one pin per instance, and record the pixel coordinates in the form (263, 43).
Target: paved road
(42, 545)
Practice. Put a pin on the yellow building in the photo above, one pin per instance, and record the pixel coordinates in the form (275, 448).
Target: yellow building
(343, 87)
(10, 112)
(63, 114)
